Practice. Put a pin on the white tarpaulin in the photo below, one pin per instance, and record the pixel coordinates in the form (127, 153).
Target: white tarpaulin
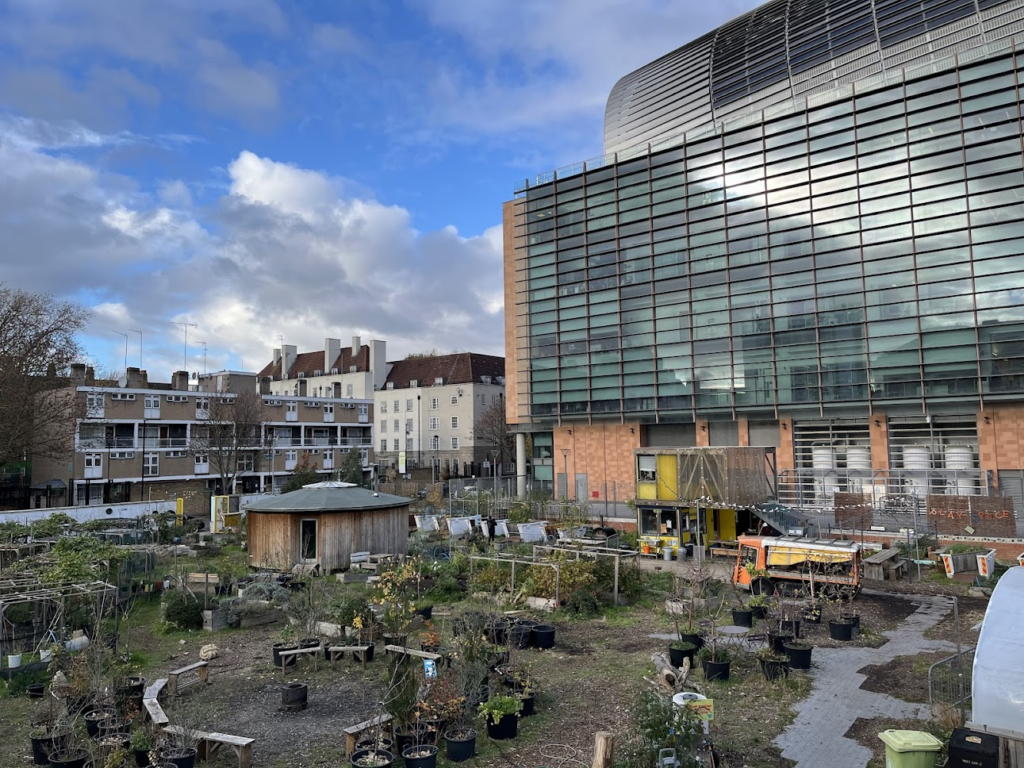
(998, 686)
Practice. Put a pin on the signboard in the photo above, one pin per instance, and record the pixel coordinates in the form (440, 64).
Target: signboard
(703, 708)
(401, 462)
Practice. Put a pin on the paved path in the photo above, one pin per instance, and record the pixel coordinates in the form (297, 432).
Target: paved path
(815, 738)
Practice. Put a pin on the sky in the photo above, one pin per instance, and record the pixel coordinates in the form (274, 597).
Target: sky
(253, 172)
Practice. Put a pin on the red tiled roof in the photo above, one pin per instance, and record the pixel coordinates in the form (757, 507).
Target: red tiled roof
(460, 368)
(310, 362)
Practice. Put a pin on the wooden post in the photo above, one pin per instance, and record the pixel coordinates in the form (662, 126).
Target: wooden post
(604, 746)
(615, 585)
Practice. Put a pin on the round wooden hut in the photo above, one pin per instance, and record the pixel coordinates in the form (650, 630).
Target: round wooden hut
(324, 523)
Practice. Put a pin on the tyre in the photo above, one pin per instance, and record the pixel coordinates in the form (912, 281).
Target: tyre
(762, 586)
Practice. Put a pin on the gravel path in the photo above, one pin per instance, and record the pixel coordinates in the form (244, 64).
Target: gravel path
(816, 736)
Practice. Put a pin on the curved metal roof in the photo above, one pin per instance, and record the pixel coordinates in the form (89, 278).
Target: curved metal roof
(790, 48)
(328, 499)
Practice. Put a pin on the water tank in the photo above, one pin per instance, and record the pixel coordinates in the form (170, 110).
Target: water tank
(959, 457)
(858, 457)
(917, 457)
(823, 457)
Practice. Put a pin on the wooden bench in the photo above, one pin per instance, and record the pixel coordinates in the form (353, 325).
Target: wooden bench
(209, 743)
(297, 652)
(202, 675)
(353, 732)
(899, 568)
(156, 690)
(724, 551)
(878, 565)
(156, 712)
(403, 651)
(334, 651)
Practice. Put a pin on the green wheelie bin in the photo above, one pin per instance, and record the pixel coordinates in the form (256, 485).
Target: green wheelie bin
(910, 749)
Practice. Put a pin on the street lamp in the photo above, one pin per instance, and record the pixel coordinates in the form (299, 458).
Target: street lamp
(565, 472)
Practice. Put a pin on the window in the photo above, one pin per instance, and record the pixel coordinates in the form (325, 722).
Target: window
(317, 372)
(94, 401)
(391, 385)
(384, 445)
(383, 406)
(396, 425)
(152, 401)
(396, 443)
(408, 405)
(364, 410)
(435, 443)
(434, 423)
(176, 454)
(383, 425)
(291, 455)
(455, 399)
(646, 469)
(94, 460)
(439, 380)
(122, 454)
(408, 425)
(245, 462)
(395, 409)
(202, 458)
(455, 422)
(291, 407)
(176, 398)
(414, 382)
(122, 396)
(455, 443)
(485, 379)
(151, 464)
(203, 403)
(334, 371)
(434, 403)
(348, 390)
(328, 408)
(408, 443)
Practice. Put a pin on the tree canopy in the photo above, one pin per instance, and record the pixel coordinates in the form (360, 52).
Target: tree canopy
(352, 468)
(303, 474)
(233, 439)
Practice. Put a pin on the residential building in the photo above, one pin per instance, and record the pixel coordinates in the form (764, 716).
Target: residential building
(356, 371)
(806, 235)
(136, 440)
(428, 410)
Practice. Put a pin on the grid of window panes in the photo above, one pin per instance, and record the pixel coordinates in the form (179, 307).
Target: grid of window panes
(869, 250)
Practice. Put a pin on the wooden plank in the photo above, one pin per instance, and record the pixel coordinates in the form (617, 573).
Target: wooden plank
(227, 738)
(156, 712)
(314, 650)
(881, 557)
(412, 652)
(190, 667)
(154, 691)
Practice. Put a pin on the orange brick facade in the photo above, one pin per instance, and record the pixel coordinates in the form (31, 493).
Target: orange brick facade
(509, 267)
(604, 453)
(1001, 439)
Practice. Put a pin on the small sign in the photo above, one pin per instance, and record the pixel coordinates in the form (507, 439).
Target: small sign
(429, 669)
(703, 708)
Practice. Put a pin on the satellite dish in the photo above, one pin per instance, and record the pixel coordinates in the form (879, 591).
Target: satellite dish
(195, 375)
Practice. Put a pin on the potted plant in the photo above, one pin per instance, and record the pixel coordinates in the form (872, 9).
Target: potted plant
(679, 651)
(141, 745)
(758, 605)
(742, 617)
(773, 665)
(420, 756)
(715, 658)
(430, 638)
(372, 758)
(181, 745)
(286, 643)
(501, 716)
(521, 685)
(799, 654)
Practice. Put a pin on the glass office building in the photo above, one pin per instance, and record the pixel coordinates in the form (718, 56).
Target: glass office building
(789, 245)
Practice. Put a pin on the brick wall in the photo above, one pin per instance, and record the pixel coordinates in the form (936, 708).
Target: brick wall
(879, 431)
(987, 515)
(1001, 439)
(853, 511)
(604, 452)
(194, 492)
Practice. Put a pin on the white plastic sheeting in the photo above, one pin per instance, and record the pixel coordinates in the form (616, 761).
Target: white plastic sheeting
(998, 687)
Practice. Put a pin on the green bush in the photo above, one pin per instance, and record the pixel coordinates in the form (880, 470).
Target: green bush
(584, 602)
(658, 724)
(446, 589)
(183, 610)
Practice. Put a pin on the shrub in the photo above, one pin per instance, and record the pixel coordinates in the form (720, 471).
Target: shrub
(583, 602)
(658, 724)
(183, 610)
(446, 589)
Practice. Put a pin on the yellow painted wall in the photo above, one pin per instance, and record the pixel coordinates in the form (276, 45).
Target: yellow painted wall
(668, 478)
(646, 491)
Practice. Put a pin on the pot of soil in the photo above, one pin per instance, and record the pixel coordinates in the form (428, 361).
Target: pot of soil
(853, 618)
(293, 696)
(544, 636)
(423, 756)
(180, 758)
(408, 738)
(112, 725)
(460, 744)
(840, 630)
(506, 728)
(790, 625)
(692, 637)
(679, 651)
(113, 741)
(74, 758)
(288, 661)
(715, 670)
(778, 640)
(92, 721)
(799, 655)
(380, 742)
(773, 669)
(812, 615)
(742, 617)
(42, 746)
(519, 636)
(136, 685)
(142, 758)
(395, 639)
(36, 690)
(497, 632)
(529, 704)
(372, 758)
(309, 642)
(427, 613)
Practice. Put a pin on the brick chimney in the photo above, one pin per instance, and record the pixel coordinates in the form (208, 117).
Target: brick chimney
(78, 374)
(137, 379)
(179, 381)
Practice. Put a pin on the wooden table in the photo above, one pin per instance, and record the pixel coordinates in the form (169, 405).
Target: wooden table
(879, 564)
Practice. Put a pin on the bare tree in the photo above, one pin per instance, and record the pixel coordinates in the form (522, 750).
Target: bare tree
(233, 439)
(491, 429)
(37, 346)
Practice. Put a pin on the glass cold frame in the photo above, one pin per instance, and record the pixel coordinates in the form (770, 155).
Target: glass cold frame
(819, 260)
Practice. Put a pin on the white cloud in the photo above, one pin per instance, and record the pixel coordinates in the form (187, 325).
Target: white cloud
(176, 194)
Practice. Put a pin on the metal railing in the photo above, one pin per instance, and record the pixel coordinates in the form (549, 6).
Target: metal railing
(950, 679)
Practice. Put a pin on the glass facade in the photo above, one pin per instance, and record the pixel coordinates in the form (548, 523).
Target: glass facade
(865, 252)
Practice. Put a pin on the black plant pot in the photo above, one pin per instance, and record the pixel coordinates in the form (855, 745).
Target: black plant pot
(288, 661)
(185, 758)
(759, 611)
(716, 670)
(812, 616)
(790, 625)
(309, 642)
(677, 655)
(141, 758)
(383, 758)
(93, 720)
(395, 639)
(799, 655)
(36, 691)
(427, 613)
(529, 705)
(463, 748)
(544, 636)
(381, 742)
(742, 617)
(428, 760)
(497, 633)
(520, 636)
(692, 637)
(406, 739)
(73, 759)
(358, 655)
(773, 670)
(778, 640)
(840, 630)
(506, 728)
(853, 618)
(136, 684)
(42, 746)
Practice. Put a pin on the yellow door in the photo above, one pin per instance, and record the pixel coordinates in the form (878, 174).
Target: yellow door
(727, 524)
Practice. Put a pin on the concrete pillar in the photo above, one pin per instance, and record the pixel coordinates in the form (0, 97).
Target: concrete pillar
(521, 465)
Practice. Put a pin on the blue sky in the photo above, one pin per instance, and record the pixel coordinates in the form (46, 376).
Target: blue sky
(272, 170)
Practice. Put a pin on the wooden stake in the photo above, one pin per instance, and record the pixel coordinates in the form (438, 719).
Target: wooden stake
(604, 746)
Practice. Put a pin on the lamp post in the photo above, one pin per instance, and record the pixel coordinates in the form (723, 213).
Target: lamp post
(565, 473)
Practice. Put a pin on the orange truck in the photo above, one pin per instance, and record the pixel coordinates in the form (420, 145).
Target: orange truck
(766, 564)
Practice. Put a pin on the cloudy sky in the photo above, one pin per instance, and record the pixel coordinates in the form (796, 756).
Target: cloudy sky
(295, 170)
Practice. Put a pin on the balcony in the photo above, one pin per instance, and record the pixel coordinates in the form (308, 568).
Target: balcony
(168, 442)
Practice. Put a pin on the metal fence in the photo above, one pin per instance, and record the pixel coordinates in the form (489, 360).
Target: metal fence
(950, 679)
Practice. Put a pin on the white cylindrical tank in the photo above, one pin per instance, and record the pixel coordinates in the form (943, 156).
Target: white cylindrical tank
(823, 457)
(958, 457)
(998, 674)
(858, 457)
(917, 457)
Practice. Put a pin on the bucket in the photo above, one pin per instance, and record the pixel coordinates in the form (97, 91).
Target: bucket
(13, 660)
(46, 656)
(667, 553)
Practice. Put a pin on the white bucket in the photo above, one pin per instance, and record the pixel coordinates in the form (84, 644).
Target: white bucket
(77, 643)
(13, 660)
(46, 656)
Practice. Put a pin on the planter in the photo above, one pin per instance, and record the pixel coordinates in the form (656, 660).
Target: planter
(460, 744)
(715, 670)
(180, 758)
(136, 685)
(759, 612)
(529, 705)
(141, 758)
(506, 728)
(692, 637)
(678, 652)
(112, 741)
(372, 758)
(293, 696)
(215, 620)
(840, 630)
(74, 758)
(773, 669)
(92, 721)
(406, 739)
(520, 636)
(742, 617)
(36, 691)
(395, 639)
(544, 636)
(423, 756)
(358, 655)
(427, 613)
(790, 625)
(46, 656)
(378, 743)
(497, 633)
(288, 661)
(13, 660)
(42, 746)
(799, 655)
(853, 618)
(778, 640)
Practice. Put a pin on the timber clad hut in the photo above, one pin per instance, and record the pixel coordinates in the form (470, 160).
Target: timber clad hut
(323, 524)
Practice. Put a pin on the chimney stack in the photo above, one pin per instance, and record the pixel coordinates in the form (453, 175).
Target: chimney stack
(332, 349)
(179, 381)
(357, 344)
(288, 353)
(78, 374)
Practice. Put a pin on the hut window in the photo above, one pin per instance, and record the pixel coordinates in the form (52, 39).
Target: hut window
(307, 539)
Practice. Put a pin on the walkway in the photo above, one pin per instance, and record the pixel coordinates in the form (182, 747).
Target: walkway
(815, 738)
